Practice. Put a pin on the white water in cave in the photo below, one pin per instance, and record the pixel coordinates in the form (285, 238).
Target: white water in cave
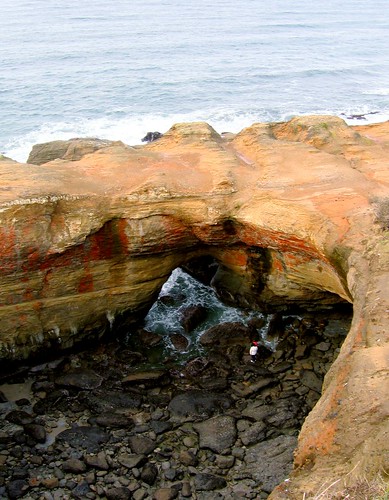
(185, 291)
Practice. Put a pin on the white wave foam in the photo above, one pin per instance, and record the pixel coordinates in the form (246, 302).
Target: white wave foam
(131, 129)
(380, 91)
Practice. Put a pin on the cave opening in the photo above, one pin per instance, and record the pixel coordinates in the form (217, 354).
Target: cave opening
(189, 305)
(178, 395)
(205, 347)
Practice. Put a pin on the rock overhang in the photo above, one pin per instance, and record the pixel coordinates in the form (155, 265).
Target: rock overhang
(69, 224)
(285, 209)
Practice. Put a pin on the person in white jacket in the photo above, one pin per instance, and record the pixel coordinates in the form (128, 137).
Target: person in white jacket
(254, 352)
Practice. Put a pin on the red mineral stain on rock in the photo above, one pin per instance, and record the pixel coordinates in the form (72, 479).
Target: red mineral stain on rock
(86, 283)
(121, 235)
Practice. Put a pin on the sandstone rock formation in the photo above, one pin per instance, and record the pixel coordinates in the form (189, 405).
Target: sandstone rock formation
(288, 210)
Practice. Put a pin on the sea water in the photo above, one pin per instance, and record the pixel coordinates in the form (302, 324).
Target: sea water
(164, 319)
(116, 70)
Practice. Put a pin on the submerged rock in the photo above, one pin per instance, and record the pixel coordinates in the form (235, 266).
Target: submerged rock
(192, 317)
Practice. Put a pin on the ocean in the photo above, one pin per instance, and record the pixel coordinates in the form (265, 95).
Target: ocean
(116, 70)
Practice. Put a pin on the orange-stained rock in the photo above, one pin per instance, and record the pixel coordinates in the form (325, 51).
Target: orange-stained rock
(287, 209)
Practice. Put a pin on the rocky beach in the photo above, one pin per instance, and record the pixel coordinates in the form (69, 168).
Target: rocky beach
(287, 221)
(102, 424)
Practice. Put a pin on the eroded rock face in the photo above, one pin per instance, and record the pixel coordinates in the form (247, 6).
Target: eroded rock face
(86, 242)
(72, 150)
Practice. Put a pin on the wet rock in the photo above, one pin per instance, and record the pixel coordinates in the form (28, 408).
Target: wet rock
(17, 488)
(50, 482)
(180, 342)
(209, 482)
(141, 445)
(147, 338)
(6, 437)
(54, 400)
(19, 473)
(112, 420)
(3, 398)
(217, 433)
(170, 474)
(188, 458)
(256, 324)
(149, 473)
(165, 494)
(83, 437)
(101, 402)
(140, 494)
(19, 417)
(323, 346)
(257, 410)
(98, 461)
(159, 427)
(270, 462)
(254, 434)
(74, 465)
(131, 461)
(80, 379)
(213, 383)
(151, 378)
(129, 357)
(284, 413)
(174, 299)
(22, 402)
(198, 404)
(226, 334)
(276, 326)
(281, 367)
(245, 390)
(81, 490)
(36, 431)
(192, 317)
(263, 352)
(152, 136)
(119, 493)
(186, 490)
(202, 268)
(224, 462)
(311, 380)
(195, 366)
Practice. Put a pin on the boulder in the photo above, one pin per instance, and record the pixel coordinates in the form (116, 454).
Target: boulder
(151, 136)
(72, 150)
(226, 334)
(193, 404)
(269, 461)
(80, 379)
(217, 433)
(192, 317)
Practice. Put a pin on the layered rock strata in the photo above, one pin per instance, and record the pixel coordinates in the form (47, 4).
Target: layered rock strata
(288, 210)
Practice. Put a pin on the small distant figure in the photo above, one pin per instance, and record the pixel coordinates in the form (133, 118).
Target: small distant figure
(152, 136)
(254, 352)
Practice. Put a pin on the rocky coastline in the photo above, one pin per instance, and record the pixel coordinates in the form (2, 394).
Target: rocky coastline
(292, 215)
(98, 424)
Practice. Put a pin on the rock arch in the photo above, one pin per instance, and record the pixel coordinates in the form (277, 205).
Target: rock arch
(86, 243)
